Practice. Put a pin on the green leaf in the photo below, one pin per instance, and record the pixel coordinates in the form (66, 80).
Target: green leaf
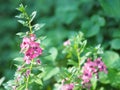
(21, 34)
(116, 64)
(94, 83)
(24, 23)
(111, 7)
(53, 54)
(19, 59)
(93, 31)
(38, 81)
(72, 69)
(96, 19)
(66, 12)
(20, 16)
(115, 44)
(84, 57)
(21, 21)
(99, 49)
(32, 16)
(84, 43)
(21, 87)
(9, 84)
(64, 73)
(114, 77)
(92, 27)
(116, 33)
(51, 72)
(1, 80)
(104, 78)
(38, 26)
(21, 8)
(72, 62)
(109, 57)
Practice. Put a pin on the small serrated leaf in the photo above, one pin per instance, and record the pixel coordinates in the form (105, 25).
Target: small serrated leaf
(72, 62)
(38, 81)
(33, 15)
(21, 8)
(84, 43)
(21, 21)
(1, 80)
(21, 34)
(24, 23)
(38, 26)
(20, 16)
(18, 59)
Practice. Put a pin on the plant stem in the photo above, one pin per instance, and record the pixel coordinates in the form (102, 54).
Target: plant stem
(78, 56)
(30, 27)
(27, 82)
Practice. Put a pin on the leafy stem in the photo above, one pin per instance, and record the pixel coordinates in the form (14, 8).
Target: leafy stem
(27, 82)
(78, 56)
(31, 65)
(30, 27)
(24, 18)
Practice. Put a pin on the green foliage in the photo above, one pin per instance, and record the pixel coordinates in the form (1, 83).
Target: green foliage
(115, 44)
(92, 27)
(110, 57)
(111, 7)
(98, 19)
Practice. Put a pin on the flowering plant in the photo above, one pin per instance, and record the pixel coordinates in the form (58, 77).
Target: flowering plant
(83, 64)
(31, 49)
(81, 70)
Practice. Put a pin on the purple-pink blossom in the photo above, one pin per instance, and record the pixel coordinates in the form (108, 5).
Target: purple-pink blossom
(30, 48)
(87, 75)
(91, 68)
(32, 37)
(100, 65)
(25, 44)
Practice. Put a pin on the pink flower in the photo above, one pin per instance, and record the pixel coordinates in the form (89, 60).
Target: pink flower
(67, 87)
(101, 66)
(87, 75)
(32, 37)
(28, 56)
(91, 68)
(32, 53)
(25, 44)
(36, 49)
(30, 48)
(66, 43)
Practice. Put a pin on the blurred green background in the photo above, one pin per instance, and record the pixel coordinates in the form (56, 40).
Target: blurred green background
(99, 20)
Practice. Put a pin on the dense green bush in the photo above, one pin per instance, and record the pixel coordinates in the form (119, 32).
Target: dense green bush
(97, 19)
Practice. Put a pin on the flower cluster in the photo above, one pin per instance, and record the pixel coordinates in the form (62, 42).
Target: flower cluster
(91, 68)
(30, 48)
